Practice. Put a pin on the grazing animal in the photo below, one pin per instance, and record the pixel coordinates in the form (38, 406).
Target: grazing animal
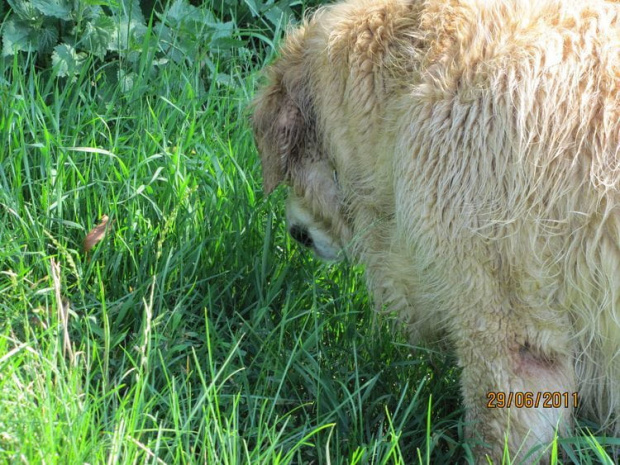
(467, 153)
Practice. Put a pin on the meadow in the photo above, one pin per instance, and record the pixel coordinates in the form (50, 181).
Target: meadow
(194, 331)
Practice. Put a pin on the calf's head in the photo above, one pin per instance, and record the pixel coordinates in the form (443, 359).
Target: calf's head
(292, 151)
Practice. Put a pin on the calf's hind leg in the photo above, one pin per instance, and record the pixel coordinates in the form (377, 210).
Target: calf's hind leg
(506, 379)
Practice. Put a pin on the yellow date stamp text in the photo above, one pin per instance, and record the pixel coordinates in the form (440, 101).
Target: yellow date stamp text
(544, 399)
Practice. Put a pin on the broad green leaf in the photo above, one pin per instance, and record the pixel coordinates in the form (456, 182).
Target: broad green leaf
(163, 35)
(224, 79)
(182, 49)
(66, 61)
(25, 10)
(92, 12)
(130, 10)
(180, 11)
(187, 19)
(126, 79)
(57, 8)
(47, 36)
(125, 33)
(18, 36)
(275, 15)
(226, 43)
(97, 34)
(223, 30)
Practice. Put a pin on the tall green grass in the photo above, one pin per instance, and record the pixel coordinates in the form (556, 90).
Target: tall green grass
(195, 332)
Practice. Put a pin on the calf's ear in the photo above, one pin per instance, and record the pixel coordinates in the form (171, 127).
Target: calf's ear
(278, 130)
(280, 112)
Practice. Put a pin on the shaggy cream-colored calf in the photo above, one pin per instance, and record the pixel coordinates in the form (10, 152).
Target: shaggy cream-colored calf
(467, 152)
